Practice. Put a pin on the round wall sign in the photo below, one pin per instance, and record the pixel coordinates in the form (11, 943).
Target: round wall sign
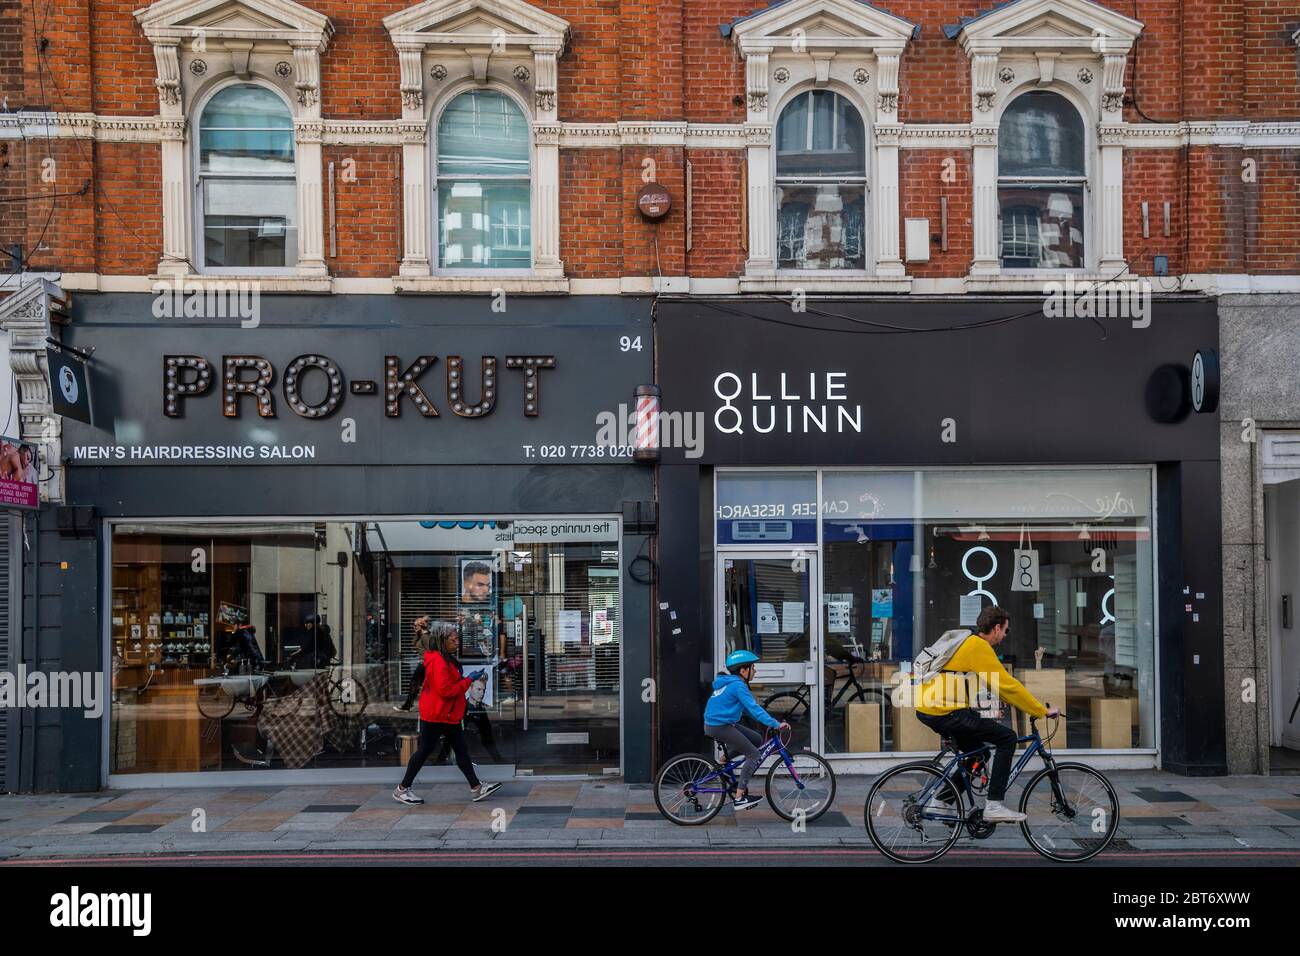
(654, 201)
(1205, 382)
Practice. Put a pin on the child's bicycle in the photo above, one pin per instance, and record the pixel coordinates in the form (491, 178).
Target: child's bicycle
(917, 811)
(691, 790)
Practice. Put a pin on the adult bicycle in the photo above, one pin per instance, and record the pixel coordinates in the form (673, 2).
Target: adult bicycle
(690, 789)
(916, 812)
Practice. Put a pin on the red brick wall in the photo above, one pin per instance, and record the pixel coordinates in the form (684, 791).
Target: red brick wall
(717, 212)
(926, 175)
(367, 210)
(665, 61)
(591, 194)
(1153, 176)
(1272, 228)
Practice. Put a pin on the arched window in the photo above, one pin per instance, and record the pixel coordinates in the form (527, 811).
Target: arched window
(821, 184)
(247, 196)
(1041, 181)
(482, 172)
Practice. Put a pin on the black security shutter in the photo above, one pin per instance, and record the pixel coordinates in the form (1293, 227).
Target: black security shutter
(6, 637)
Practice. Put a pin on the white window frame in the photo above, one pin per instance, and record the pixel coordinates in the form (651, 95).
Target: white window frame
(1078, 49)
(867, 164)
(1089, 213)
(201, 46)
(853, 49)
(435, 117)
(198, 238)
(445, 47)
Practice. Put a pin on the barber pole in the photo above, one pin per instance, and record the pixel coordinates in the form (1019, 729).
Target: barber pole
(647, 423)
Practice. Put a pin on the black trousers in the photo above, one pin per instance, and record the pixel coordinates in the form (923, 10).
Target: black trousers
(417, 681)
(971, 731)
(430, 736)
(479, 718)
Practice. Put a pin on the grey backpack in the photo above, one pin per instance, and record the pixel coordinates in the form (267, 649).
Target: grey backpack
(933, 659)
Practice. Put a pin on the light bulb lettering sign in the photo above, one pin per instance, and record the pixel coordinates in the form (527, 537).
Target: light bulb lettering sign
(340, 386)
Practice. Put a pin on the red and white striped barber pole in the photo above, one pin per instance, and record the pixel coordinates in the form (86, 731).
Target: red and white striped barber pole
(647, 423)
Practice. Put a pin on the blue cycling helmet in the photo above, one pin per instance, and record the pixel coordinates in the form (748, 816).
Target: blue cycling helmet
(738, 659)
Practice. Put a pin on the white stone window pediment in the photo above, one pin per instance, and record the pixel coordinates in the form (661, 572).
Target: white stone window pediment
(503, 40)
(245, 34)
(853, 49)
(1077, 42)
(445, 47)
(810, 39)
(1075, 48)
(198, 46)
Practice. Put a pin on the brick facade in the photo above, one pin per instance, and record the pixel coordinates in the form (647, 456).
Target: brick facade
(644, 61)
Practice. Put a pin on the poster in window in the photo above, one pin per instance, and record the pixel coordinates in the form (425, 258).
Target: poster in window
(19, 474)
(882, 602)
(476, 580)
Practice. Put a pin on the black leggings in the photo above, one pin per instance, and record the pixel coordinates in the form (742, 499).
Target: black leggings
(971, 731)
(430, 735)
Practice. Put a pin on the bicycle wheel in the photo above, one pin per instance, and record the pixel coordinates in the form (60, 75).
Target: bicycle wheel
(786, 706)
(1078, 828)
(348, 698)
(214, 702)
(676, 793)
(902, 829)
(806, 789)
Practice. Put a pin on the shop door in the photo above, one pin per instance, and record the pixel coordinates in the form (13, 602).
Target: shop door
(561, 679)
(765, 602)
(1282, 529)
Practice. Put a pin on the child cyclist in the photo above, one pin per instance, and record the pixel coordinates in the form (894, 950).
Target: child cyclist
(732, 697)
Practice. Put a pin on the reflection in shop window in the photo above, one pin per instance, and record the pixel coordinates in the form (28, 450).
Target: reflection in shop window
(286, 646)
(1067, 553)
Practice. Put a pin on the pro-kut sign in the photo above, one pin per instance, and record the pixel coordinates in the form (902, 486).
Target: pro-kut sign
(251, 379)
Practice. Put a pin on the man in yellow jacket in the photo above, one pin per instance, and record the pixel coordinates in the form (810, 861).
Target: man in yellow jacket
(942, 705)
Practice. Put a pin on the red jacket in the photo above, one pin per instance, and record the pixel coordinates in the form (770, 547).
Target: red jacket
(442, 696)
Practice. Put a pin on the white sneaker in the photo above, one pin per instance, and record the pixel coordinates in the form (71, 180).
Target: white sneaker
(995, 812)
(407, 796)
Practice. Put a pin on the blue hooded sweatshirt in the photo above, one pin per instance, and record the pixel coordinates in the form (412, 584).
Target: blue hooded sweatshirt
(731, 697)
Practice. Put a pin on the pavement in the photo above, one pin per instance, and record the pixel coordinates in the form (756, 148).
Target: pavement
(1159, 812)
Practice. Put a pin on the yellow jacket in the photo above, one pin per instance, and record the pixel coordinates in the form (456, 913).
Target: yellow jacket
(946, 691)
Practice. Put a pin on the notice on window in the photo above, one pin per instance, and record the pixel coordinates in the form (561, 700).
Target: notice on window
(570, 627)
(792, 617)
(838, 616)
(971, 605)
(882, 602)
(767, 620)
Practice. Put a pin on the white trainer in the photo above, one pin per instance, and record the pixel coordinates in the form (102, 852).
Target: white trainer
(995, 812)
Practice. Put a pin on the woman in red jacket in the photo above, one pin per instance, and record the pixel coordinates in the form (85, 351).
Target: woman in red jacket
(442, 712)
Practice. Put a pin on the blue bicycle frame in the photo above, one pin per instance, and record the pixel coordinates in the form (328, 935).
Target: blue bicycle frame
(955, 774)
(728, 770)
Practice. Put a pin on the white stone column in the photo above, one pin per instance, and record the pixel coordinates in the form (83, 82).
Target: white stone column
(177, 200)
(888, 262)
(308, 131)
(414, 133)
(984, 212)
(1110, 207)
(546, 157)
(762, 225)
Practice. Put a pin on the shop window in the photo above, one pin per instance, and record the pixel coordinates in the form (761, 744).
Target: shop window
(246, 187)
(1041, 183)
(482, 169)
(821, 183)
(1068, 554)
(285, 646)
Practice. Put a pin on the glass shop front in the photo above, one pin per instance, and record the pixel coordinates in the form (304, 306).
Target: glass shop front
(241, 646)
(836, 578)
